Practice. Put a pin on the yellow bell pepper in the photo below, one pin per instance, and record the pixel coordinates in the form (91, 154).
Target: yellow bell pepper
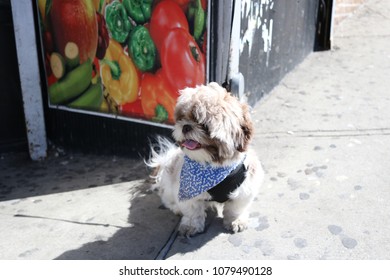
(119, 74)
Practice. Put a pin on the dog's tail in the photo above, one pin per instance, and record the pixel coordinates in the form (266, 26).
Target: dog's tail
(159, 155)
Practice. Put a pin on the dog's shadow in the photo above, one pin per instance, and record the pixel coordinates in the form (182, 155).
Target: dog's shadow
(183, 245)
(152, 234)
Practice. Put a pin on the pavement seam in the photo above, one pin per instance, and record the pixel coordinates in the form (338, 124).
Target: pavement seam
(66, 221)
(162, 254)
(327, 133)
(377, 12)
(379, 36)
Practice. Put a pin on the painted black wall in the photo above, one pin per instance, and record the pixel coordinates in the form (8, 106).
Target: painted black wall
(12, 126)
(293, 25)
(101, 135)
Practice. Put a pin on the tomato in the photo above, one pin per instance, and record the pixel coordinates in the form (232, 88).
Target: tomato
(182, 61)
(166, 16)
(158, 98)
(204, 4)
(183, 4)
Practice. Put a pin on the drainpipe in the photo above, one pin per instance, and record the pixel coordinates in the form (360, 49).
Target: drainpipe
(235, 77)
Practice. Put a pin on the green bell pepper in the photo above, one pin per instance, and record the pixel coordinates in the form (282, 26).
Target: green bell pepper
(197, 16)
(139, 10)
(117, 21)
(142, 49)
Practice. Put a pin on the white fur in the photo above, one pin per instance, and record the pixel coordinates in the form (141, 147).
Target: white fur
(167, 159)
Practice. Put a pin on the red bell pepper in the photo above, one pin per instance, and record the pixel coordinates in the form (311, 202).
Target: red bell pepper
(158, 98)
(133, 109)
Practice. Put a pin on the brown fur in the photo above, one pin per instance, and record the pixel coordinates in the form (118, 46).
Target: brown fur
(218, 120)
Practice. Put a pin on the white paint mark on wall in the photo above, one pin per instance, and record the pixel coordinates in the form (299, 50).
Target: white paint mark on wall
(254, 12)
(267, 38)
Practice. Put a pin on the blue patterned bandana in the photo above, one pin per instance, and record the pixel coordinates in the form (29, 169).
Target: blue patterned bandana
(197, 178)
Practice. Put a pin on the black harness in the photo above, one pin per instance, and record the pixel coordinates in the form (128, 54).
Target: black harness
(220, 193)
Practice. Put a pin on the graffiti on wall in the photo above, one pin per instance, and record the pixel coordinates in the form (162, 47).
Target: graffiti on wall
(253, 14)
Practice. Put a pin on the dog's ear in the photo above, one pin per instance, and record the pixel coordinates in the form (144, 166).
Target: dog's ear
(246, 133)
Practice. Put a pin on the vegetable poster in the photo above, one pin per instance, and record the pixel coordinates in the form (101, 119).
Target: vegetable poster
(123, 57)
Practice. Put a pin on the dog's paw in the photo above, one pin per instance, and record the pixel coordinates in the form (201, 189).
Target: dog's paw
(190, 230)
(236, 226)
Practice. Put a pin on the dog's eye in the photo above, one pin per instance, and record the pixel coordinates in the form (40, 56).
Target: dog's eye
(178, 115)
(205, 128)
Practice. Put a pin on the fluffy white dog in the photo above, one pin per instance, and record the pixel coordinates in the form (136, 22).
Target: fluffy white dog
(212, 163)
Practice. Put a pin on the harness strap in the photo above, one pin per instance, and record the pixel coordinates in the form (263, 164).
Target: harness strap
(220, 193)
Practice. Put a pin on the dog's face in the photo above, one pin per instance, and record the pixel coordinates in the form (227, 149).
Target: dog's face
(211, 125)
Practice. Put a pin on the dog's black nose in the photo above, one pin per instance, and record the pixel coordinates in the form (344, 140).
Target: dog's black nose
(186, 128)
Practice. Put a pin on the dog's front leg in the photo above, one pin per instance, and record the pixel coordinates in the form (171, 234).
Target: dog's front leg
(235, 214)
(194, 216)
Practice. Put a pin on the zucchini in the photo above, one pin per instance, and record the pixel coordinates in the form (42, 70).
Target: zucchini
(72, 84)
(57, 64)
(72, 55)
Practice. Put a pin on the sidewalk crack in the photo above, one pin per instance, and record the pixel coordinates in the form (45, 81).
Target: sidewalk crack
(328, 133)
(67, 221)
(162, 254)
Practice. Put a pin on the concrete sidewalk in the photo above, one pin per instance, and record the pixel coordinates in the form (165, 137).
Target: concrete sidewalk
(323, 136)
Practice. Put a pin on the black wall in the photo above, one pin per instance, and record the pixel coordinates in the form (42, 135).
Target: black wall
(101, 135)
(293, 37)
(12, 126)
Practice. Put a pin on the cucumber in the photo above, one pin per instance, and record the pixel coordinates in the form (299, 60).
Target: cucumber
(90, 99)
(72, 55)
(72, 84)
(57, 65)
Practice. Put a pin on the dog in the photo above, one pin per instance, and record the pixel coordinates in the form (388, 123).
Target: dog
(211, 162)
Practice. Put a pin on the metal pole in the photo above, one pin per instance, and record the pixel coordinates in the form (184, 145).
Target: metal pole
(235, 78)
(25, 37)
